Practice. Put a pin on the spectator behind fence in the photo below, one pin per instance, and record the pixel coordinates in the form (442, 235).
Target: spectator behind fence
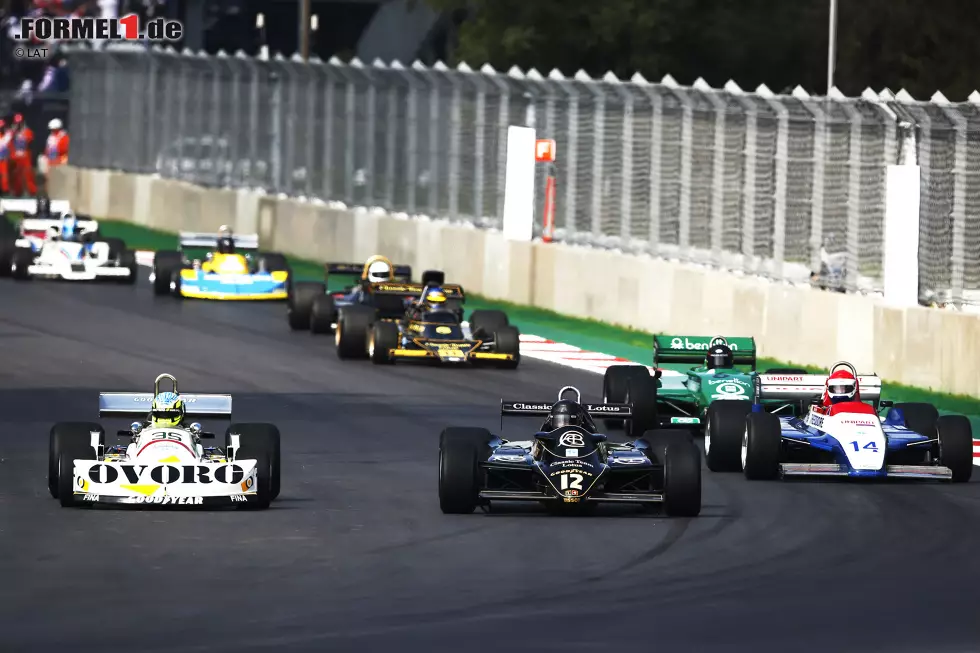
(55, 78)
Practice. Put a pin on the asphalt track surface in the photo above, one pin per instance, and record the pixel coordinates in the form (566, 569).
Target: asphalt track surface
(356, 555)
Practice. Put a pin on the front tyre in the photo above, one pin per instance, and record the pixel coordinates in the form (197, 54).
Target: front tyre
(23, 258)
(761, 446)
(323, 314)
(259, 442)
(724, 431)
(75, 440)
(382, 339)
(682, 479)
(461, 450)
(956, 446)
(507, 340)
(299, 306)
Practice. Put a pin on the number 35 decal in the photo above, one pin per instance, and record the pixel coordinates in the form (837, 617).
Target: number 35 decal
(166, 436)
(571, 481)
(871, 445)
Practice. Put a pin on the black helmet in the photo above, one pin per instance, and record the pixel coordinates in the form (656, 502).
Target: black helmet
(719, 357)
(43, 206)
(566, 413)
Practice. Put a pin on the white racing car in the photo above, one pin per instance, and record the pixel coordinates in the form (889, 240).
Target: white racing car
(68, 248)
(164, 465)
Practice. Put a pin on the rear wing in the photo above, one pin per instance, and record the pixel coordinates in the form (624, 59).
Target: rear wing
(138, 403)
(402, 273)
(691, 350)
(196, 239)
(452, 290)
(540, 409)
(810, 387)
(30, 206)
(43, 224)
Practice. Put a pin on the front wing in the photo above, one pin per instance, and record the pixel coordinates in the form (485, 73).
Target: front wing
(449, 351)
(70, 272)
(513, 493)
(245, 287)
(187, 486)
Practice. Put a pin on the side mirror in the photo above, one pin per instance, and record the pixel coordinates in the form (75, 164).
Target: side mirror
(886, 404)
(195, 428)
(136, 428)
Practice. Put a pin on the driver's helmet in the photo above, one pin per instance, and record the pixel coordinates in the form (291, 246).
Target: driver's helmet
(434, 298)
(379, 272)
(841, 386)
(719, 357)
(226, 240)
(69, 227)
(43, 207)
(566, 413)
(167, 409)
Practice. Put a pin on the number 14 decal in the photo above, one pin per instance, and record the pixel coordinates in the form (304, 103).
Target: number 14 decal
(871, 445)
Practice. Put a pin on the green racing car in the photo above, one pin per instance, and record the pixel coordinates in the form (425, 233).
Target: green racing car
(714, 394)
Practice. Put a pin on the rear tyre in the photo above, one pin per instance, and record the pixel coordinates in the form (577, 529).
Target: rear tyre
(299, 306)
(919, 416)
(323, 314)
(461, 450)
(276, 262)
(7, 249)
(22, 259)
(642, 394)
(614, 384)
(682, 480)
(956, 446)
(116, 247)
(761, 447)
(165, 266)
(260, 442)
(724, 430)
(127, 260)
(353, 325)
(485, 322)
(382, 338)
(74, 438)
(507, 340)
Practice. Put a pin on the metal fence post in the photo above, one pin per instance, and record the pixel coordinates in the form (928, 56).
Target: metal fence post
(782, 166)
(960, 178)
(717, 169)
(455, 122)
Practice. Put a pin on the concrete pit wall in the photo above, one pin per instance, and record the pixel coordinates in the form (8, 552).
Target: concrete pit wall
(917, 346)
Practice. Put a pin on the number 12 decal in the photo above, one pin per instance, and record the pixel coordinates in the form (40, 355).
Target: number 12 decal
(571, 481)
(871, 445)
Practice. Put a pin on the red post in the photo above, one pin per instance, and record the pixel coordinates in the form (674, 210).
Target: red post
(549, 207)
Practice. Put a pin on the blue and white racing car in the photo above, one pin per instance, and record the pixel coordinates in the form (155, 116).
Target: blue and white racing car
(852, 439)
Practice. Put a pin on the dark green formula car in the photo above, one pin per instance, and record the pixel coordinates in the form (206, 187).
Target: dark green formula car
(714, 394)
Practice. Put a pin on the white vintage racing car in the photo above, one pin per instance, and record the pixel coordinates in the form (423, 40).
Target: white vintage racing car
(167, 466)
(71, 249)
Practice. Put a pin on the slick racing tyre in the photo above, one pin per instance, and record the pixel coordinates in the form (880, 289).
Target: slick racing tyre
(483, 323)
(956, 446)
(7, 249)
(299, 306)
(351, 335)
(165, 266)
(323, 314)
(682, 479)
(127, 259)
(259, 442)
(67, 442)
(507, 340)
(657, 441)
(642, 394)
(22, 259)
(116, 247)
(761, 447)
(723, 432)
(614, 384)
(461, 450)
(433, 278)
(382, 338)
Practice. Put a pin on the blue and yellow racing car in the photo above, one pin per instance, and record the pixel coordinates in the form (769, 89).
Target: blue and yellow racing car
(231, 268)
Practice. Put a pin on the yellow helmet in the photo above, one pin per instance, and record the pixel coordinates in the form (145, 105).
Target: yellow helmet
(167, 409)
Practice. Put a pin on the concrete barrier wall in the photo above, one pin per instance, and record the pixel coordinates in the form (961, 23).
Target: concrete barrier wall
(917, 346)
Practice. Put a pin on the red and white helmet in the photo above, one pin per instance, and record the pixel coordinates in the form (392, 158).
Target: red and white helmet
(841, 386)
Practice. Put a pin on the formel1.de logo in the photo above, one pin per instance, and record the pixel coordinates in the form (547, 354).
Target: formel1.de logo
(76, 28)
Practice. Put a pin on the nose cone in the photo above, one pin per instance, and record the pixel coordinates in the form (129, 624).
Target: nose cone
(175, 450)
